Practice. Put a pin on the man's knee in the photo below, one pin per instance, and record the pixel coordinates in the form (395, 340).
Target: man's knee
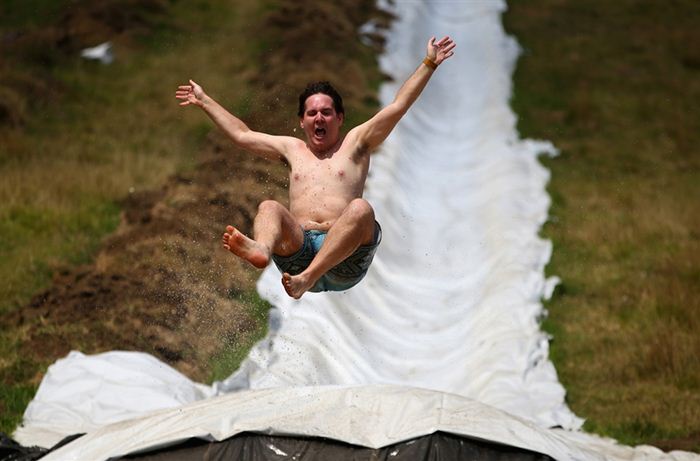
(273, 215)
(361, 213)
(360, 209)
(270, 207)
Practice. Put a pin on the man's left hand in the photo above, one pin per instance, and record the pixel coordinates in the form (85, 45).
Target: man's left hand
(440, 50)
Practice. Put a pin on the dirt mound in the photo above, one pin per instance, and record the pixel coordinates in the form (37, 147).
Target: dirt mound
(162, 283)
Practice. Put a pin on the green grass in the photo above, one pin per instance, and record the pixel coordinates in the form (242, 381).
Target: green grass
(111, 134)
(613, 87)
(14, 399)
(22, 13)
(236, 349)
(18, 385)
(109, 131)
(39, 240)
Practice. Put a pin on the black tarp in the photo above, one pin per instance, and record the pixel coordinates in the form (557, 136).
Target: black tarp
(438, 446)
(10, 450)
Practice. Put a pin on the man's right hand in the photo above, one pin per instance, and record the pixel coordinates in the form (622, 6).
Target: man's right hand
(190, 94)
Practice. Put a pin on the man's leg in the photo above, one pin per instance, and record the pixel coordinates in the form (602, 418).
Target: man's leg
(353, 228)
(275, 231)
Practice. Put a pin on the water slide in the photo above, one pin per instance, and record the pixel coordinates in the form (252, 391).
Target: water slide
(452, 300)
(445, 326)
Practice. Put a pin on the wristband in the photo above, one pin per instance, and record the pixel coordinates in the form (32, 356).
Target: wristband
(430, 63)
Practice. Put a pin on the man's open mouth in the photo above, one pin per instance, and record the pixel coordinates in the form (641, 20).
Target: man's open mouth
(320, 132)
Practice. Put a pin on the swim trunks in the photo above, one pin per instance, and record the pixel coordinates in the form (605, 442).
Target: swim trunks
(339, 278)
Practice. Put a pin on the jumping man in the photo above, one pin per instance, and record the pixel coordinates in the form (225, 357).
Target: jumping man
(328, 237)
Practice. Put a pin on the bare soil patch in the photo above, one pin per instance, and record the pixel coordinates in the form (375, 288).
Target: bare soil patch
(162, 283)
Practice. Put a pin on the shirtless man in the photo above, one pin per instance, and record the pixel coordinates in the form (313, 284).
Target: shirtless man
(327, 238)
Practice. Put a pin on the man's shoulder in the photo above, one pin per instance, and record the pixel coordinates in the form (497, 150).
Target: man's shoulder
(288, 145)
(287, 140)
(295, 144)
(296, 150)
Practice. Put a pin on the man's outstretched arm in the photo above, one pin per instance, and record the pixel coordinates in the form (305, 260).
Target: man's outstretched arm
(268, 146)
(373, 132)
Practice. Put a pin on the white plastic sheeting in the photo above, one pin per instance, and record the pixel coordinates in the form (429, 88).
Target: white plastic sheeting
(451, 303)
(365, 416)
(452, 299)
(80, 393)
(369, 415)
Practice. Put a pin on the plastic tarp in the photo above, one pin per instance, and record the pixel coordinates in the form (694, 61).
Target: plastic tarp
(453, 297)
(438, 446)
(446, 319)
(80, 393)
(371, 416)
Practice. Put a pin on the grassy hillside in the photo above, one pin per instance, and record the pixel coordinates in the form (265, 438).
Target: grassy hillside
(108, 149)
(615, 87)
(78, 138)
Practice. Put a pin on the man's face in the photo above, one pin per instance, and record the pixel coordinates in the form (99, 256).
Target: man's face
(320, 122)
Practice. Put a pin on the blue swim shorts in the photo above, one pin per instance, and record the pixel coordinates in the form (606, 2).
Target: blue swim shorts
(339, 278)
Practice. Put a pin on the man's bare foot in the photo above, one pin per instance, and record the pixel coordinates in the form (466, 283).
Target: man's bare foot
(250, 250)
(296, 285)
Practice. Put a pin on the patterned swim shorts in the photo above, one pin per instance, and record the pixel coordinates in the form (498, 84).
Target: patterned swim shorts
(339, 278)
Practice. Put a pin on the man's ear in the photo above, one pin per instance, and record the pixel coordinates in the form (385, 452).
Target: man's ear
(301, 122)
(341, 117)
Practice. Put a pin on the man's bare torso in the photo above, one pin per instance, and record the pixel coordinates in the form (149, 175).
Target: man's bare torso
(321, 186)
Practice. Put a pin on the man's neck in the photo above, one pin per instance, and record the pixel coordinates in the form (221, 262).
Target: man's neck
(323, 153)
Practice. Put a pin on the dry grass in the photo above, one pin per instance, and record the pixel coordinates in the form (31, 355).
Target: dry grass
(613, 87)
(69, 160)
(64, 168)
(158, 283)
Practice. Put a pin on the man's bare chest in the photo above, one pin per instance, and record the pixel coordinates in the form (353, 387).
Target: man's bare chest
(339, 170)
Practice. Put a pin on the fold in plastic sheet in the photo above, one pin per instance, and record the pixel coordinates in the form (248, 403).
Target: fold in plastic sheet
(367, 416)
(371, 416)
(80, 393)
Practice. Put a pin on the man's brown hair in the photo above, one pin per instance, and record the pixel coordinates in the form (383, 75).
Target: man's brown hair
(323, 88)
